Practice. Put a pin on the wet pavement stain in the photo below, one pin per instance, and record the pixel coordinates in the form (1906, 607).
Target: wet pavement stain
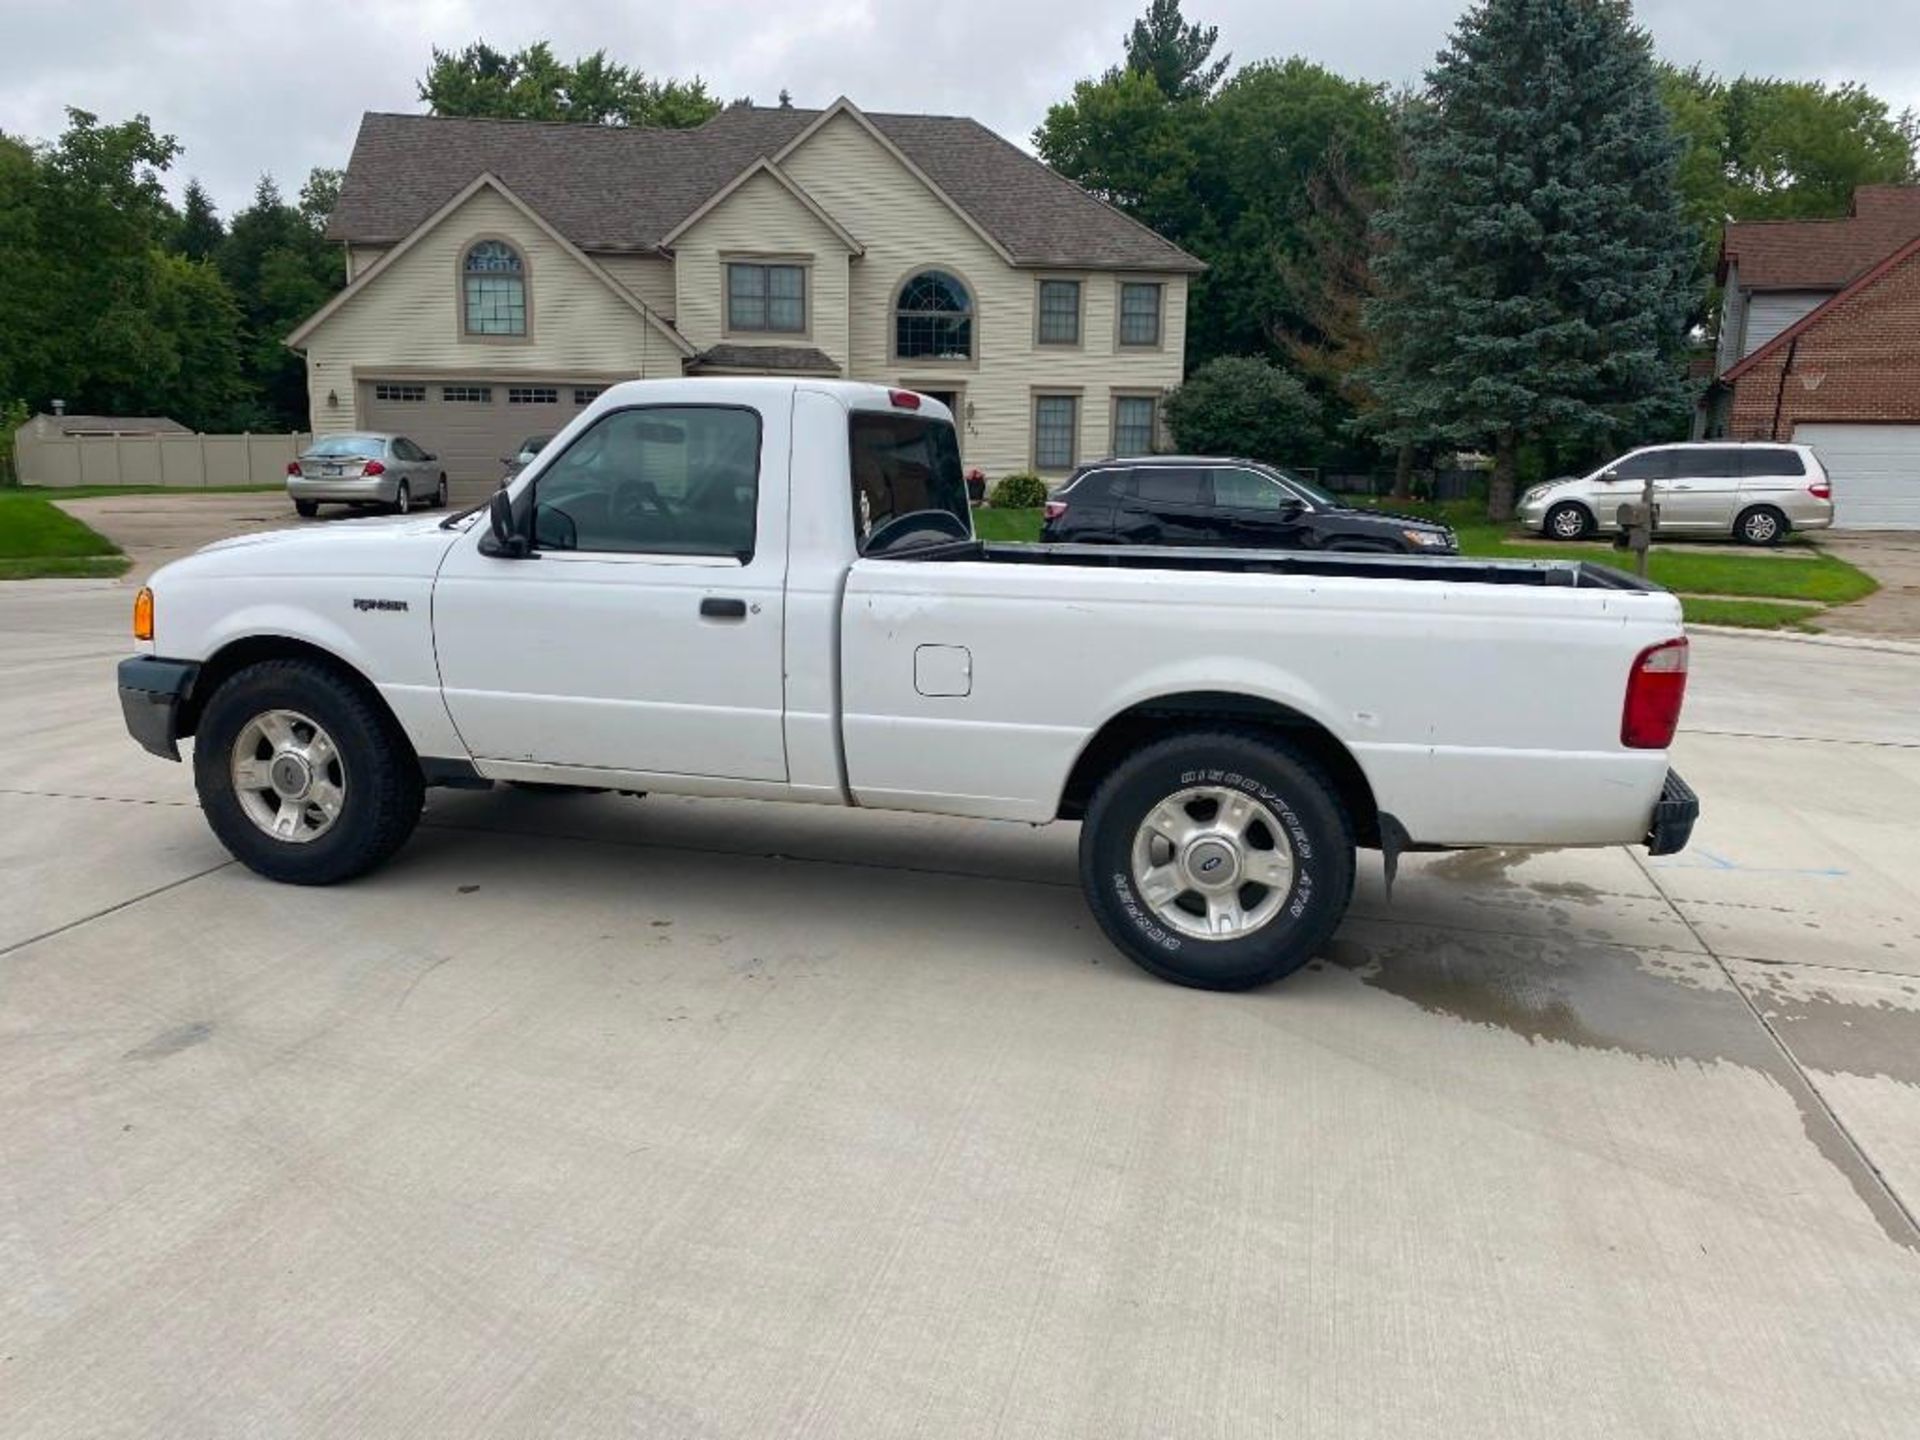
(1662, 1006)
(171, 1042)
(1875, 1039)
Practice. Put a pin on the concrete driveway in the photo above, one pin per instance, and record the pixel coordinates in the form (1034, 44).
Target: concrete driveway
(1893, 558)
(591, 1116)
(155, 528)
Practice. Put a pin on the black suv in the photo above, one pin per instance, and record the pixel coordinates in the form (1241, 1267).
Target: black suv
(1199, 500)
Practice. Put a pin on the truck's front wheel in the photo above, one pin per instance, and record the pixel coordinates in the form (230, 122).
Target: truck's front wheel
(303, 777)
(1219, 860)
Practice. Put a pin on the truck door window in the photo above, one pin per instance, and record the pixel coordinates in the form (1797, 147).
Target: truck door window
(658, 479)
(905, 466)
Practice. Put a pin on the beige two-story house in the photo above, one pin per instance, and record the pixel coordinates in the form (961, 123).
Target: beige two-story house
(501, 273)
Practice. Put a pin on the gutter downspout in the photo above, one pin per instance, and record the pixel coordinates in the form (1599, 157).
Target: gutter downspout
(1780, 390)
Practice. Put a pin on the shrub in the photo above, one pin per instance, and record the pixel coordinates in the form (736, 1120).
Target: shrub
(1020, 491)
(1243, 405)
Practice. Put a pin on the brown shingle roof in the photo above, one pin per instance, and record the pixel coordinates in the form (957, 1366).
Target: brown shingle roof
(608, 188)
(801, 358)
(1822, 254)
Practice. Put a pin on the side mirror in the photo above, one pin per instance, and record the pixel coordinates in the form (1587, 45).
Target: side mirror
(502, 541)
(1292, 508)
(430, 455)
(1609, 474)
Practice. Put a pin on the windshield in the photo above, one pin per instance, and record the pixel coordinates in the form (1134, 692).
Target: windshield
(908, 489)
(363, 446)
(1307, 488)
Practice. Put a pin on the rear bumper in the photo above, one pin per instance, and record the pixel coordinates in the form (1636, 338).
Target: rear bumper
(378, 490)
(1673, 816)
(151, 693)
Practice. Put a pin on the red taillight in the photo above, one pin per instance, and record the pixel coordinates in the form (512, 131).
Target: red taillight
(293, 467)
(1055, 509)
(1820, 490)
(374, 467)
(903, 399)
(1654, 691)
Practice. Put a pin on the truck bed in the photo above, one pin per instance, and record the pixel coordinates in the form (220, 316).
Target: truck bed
(1457, 569)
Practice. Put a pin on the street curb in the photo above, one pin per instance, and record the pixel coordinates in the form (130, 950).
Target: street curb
(1837, 642)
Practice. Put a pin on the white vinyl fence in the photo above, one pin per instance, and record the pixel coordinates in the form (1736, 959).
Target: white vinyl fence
(184, 462)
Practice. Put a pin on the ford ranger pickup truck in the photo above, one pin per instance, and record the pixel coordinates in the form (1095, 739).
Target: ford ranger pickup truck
(771, 589)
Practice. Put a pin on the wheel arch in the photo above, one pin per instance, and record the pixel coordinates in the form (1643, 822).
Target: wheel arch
(237, 654)
(1163, 715)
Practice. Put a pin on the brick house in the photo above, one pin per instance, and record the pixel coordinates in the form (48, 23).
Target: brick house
(1820, 343)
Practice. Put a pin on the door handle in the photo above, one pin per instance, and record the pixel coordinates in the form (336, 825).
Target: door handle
(715, 607)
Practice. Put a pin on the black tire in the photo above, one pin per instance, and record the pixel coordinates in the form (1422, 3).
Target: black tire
(1760, 525)
(306, 509)
(382, 783)
(1290, 787)
(403, 499)
(1568, 521)
(440, 494)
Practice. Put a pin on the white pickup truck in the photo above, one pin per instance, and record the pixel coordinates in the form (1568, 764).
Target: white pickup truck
(771, 589)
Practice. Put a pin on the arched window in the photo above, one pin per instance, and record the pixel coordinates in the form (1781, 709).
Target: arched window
(494, 290)
(933, 318)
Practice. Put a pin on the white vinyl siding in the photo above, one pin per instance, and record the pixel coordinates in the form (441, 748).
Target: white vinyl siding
(648, 278)
(905, 227)
(1771, 311)
(409, 319)
(761, 222)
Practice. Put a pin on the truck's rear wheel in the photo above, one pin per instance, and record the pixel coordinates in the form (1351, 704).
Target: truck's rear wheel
(1219, 860)
(301, 775)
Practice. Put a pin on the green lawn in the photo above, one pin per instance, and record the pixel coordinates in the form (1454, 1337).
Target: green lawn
(1748, 614)
(88, 492)
(38, 540)
(1007, 524)
(1731, 588)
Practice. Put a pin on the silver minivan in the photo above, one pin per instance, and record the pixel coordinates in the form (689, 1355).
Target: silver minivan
(1755, 491)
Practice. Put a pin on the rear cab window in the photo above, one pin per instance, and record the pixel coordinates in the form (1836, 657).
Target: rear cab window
(907, 484)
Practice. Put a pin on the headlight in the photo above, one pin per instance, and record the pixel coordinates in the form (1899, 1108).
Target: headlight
(1428, 539)
(1534, 492)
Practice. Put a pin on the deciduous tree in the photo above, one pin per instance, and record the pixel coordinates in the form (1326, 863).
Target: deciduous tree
(533, 84)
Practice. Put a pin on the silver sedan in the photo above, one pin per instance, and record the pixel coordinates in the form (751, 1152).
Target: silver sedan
(364, 468)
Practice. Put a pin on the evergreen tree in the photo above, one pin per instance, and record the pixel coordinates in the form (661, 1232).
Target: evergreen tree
(1176, 56)
(1537, 263)
(200, 231)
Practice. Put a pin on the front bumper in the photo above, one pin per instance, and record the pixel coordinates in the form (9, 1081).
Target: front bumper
(151, 693)
(1673, 816)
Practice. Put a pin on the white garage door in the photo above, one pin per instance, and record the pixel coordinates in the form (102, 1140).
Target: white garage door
(471, 423)
(1875, 471)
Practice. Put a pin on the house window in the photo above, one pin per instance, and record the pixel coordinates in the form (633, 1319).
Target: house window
(533, 395)
(1056, 420)
(403, 393)
(1139, 313)
(587, 397)
(494, 285)
(1133, 424)
(767, 297)
(1059, 312)
(933, 318)
(467, 394)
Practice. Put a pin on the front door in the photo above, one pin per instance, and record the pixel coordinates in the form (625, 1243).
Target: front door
(644, 632)
(1256, 511)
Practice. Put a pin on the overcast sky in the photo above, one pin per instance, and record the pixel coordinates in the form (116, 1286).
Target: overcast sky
(273, 86)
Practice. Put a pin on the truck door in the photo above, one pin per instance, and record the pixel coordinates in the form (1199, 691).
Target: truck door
(643, 633)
